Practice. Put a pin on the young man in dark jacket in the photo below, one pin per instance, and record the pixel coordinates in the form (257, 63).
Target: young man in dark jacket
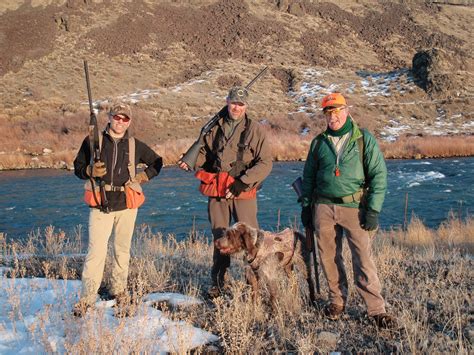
(344, 185)
(112, 169)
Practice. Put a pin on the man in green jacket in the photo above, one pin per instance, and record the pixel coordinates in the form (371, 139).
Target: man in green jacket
(344, 185)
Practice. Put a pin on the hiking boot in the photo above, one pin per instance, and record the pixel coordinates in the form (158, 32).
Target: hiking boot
(385, 321)
(81, 308)
(333, 311)
(214, 292)
(125, 305)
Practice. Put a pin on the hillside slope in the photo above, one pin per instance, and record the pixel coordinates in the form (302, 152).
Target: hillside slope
(175, 61)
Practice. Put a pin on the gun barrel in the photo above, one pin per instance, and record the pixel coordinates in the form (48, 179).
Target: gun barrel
(94, 146)
(256, 78)
(88, 83)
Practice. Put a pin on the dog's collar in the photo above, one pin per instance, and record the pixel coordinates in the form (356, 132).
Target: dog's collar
(254, 261)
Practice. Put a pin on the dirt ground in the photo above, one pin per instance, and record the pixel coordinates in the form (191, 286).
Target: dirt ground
(175, 62)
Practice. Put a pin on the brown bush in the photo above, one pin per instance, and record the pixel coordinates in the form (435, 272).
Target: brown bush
(429, 147)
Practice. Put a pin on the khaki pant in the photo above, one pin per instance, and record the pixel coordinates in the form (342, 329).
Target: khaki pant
(221, 212)
(101, 225)
(330, 221)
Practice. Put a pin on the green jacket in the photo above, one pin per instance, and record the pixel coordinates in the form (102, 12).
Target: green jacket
(320, 183)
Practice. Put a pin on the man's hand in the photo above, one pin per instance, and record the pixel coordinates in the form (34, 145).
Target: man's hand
(182, 164)
(370, 220)
(141, 177)
(235, 189)
(97, 170)
(307, 217)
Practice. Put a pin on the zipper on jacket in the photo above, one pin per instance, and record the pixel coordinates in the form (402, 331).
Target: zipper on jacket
(337, 172)
(114, 161)
(123, 159)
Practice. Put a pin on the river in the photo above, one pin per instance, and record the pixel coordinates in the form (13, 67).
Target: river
(31, 200)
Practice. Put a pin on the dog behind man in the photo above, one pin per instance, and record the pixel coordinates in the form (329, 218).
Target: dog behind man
(269, 258)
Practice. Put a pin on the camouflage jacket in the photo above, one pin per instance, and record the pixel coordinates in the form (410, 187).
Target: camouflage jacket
(220, 153)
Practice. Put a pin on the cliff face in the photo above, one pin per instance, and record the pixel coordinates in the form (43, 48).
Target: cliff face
(175, 62)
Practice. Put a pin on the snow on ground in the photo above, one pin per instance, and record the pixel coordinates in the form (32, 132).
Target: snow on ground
(393, 130)
(382, 84)
(315, 84)
(36, 317)
(377, 86)
(312, 89)
(469, 124)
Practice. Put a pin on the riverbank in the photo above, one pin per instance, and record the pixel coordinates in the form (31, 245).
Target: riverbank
(426, 275)
(285, 147)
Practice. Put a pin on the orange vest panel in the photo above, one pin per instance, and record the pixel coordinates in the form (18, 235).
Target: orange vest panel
(216, 184)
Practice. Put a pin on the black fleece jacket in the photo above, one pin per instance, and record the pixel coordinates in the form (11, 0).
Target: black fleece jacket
(114, 153)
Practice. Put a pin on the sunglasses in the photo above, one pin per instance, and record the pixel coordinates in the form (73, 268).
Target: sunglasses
(121, 117)
(336, 111)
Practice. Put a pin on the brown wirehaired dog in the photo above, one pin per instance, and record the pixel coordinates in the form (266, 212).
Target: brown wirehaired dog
(267, 254)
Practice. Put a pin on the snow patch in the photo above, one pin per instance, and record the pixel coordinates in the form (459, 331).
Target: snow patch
(36, 318)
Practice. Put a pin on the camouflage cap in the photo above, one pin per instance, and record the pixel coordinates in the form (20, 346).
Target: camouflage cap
(238, 94)
(120, 109)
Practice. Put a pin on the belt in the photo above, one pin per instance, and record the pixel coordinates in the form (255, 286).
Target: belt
(355, 197)
(108, 187)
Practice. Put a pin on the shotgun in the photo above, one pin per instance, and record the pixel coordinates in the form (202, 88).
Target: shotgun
(190, 157)
(309, 232)
(95, 148)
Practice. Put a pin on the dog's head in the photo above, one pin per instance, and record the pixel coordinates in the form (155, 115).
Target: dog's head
(237, 238)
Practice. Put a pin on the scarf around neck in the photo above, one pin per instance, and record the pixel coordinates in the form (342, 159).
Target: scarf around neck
(343, 130)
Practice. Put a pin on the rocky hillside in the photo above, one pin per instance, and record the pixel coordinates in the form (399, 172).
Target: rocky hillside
(406, 67)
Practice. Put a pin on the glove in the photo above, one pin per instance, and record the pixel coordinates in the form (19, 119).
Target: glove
(141, 177)
(237, 187)
(307, 217)
(370, 220)
(97, 170)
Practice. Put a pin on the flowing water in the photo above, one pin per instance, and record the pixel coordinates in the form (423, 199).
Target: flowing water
(32, 200)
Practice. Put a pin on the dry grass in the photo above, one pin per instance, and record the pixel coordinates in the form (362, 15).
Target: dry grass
(171, 151)
(429, 147)
(453, 233)
(426, 274)
(284, 136)
(61, 127)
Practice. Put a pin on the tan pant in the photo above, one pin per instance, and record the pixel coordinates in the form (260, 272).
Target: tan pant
(221, 212)
(330, 220)
(101, 225)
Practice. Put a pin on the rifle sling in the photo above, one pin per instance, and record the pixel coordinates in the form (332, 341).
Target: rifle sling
(243, 138)
(218, 146)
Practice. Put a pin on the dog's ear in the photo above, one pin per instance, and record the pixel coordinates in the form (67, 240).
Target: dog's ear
(248, 240)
